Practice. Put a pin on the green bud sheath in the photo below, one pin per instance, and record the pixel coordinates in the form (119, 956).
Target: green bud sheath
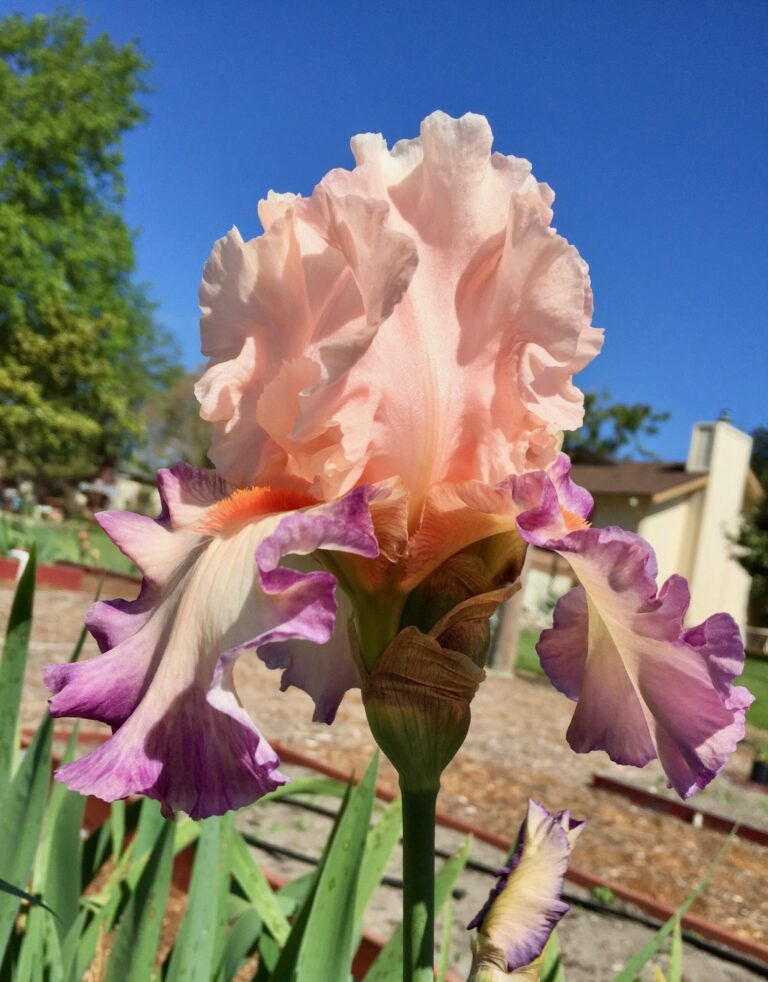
(417, 700)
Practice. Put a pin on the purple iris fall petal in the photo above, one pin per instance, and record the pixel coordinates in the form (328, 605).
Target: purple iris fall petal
(644, 686)
(325, 672)
(165, 681)
(572, 497)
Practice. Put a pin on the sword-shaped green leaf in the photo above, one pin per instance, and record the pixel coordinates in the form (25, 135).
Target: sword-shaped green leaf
(633, 967)
(200, 943)
(551, 962)
(134, 950)
(240, 941)
(379, 847)
(323, 934)
(22, 807)
(676, 953)
(12, 667)
(258, 891)
(444, 956)
(59, 858)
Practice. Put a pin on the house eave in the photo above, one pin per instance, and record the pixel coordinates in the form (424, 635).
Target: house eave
(679, 490)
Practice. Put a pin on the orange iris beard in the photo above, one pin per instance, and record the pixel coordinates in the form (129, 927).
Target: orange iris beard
(246, 504)
(572, 521)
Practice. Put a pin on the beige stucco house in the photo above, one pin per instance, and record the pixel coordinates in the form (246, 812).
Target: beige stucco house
(688, 511)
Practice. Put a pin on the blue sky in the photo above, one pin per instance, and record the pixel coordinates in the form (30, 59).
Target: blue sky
(647, 118)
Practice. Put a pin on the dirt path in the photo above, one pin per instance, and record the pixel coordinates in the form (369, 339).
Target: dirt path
(515, 749)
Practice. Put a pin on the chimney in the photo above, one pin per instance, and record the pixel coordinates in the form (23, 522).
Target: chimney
(700, 449)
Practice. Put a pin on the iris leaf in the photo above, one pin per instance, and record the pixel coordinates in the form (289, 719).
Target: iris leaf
(444, 958)
(551, 961)
(22, 807)
(12, 666)
(200, 942)
(58, 869)
(323, 933)
(258, 891)
(379, 847)
(134, 949)
(240, 942)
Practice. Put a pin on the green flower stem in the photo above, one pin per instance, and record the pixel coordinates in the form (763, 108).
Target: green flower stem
(418, 884)
(378, 622)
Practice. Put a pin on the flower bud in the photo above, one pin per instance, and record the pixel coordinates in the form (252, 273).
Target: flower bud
(455, 603)
(417, 700)
(525, 905)
(418, 693)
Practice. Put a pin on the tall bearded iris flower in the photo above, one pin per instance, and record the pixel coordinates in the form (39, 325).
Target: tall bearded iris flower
(390, 372)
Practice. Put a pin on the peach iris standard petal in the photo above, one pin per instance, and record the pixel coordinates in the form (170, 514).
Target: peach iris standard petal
(416, 317)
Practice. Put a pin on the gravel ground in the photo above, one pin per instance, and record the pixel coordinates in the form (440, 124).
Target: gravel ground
(515, 749)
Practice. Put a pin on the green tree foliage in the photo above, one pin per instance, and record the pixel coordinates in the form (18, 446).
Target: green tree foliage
(79, 349)
(174, 428)
(612, 430)
(753, 536)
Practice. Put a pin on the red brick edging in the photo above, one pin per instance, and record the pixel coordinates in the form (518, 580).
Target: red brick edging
(64, 577)
(657, 802)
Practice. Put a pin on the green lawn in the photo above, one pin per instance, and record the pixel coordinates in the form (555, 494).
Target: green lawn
(527, 659)
(64, 543)
(755, 676)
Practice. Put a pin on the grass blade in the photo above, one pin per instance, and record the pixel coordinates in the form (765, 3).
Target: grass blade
(30, 898)
(32, 952)
(306, 785)
(241, 940)
(151, 823)
(444, 958)
(676, 953)
(71, 947)
(552, 961)
(258, 891)
(98, 847)
(295, 893)
(329, 935)
(633, 967)
(12, 667)
(125, 874)
(58, 870)
(40, 955)
(80, 949)
(379, 847)
(52, 966)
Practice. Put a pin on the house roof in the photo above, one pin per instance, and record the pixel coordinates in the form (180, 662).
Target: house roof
(658, 480)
